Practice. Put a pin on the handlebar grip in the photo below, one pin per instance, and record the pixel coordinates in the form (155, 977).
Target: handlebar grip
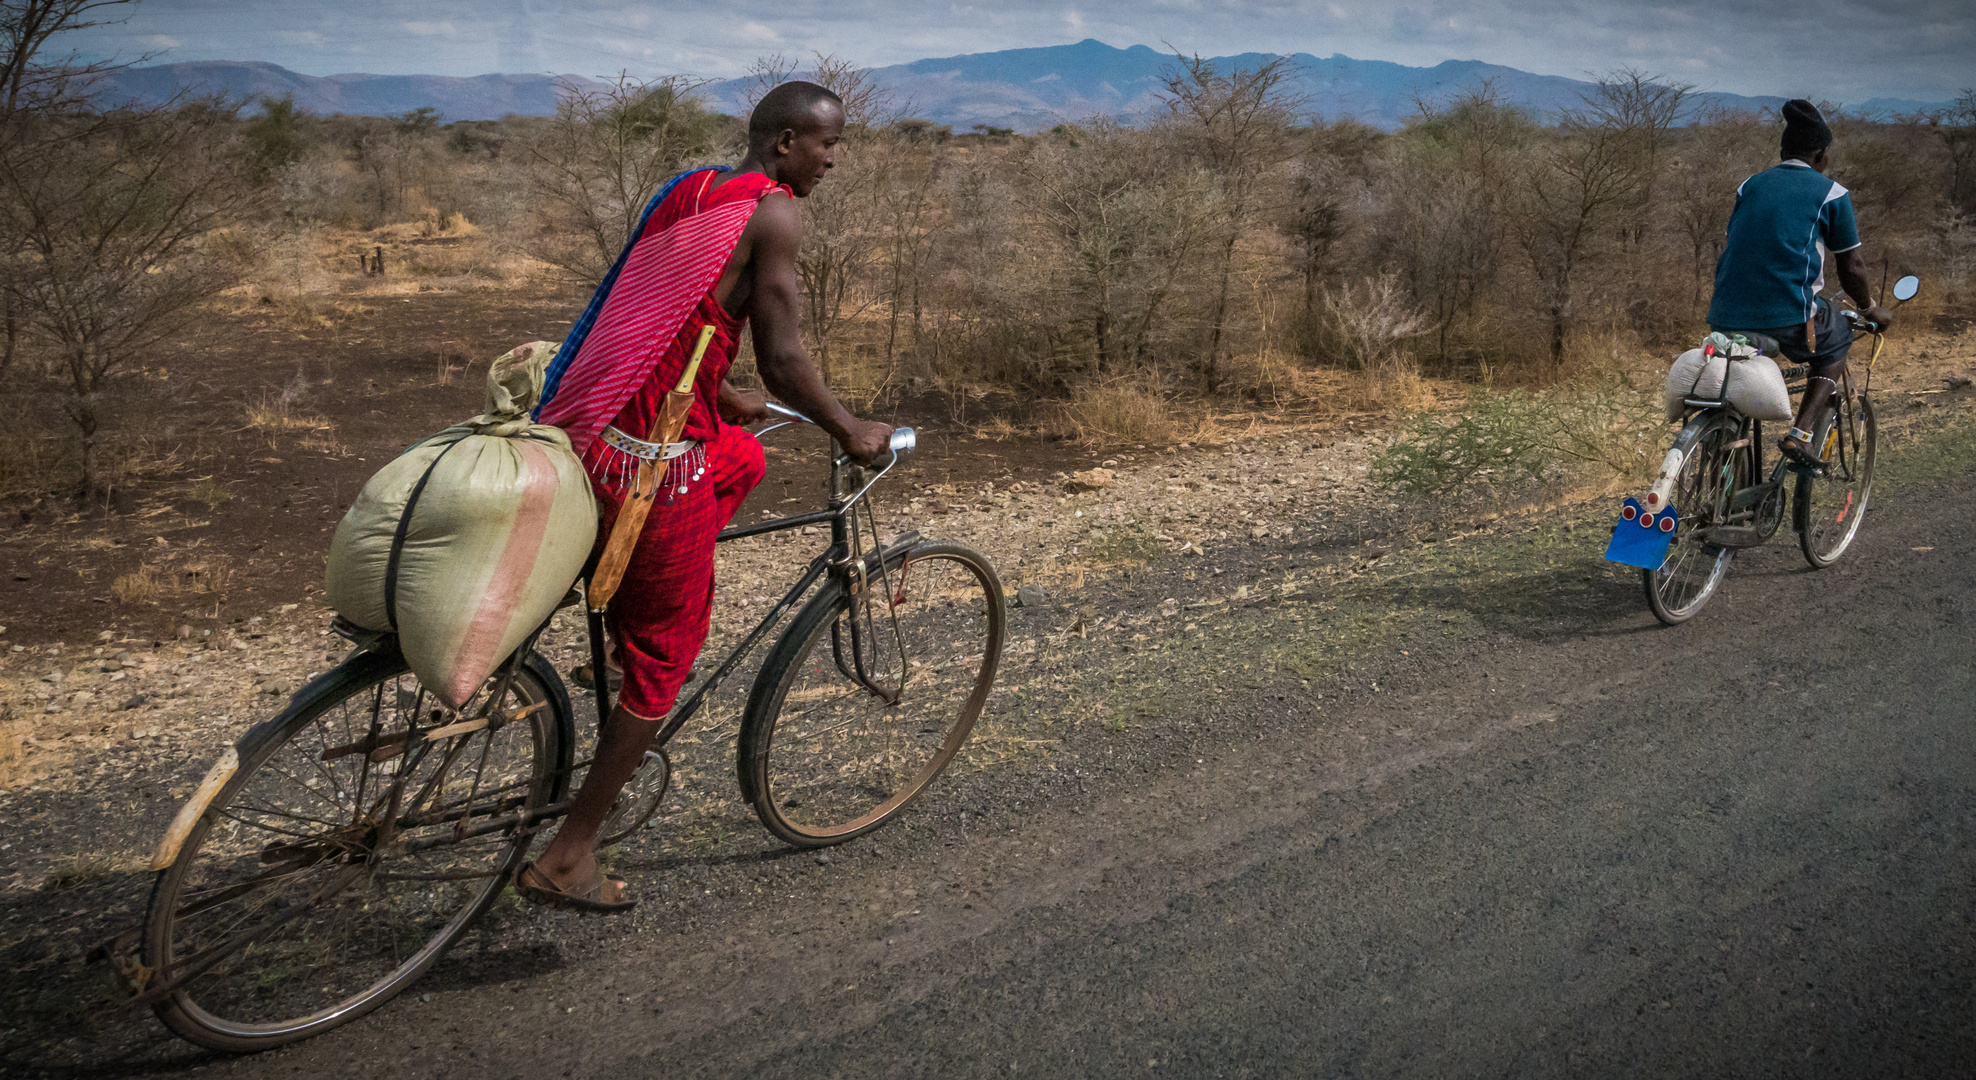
(904, 440)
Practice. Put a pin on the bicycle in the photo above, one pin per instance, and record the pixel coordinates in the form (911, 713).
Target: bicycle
(338, 849)
(1709, 500)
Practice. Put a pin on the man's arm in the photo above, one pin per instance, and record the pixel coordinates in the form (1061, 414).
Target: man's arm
(774, 304)
(1852, 278)
(740, 407)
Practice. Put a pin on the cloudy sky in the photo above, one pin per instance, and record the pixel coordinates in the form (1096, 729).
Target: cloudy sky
(1842, 50)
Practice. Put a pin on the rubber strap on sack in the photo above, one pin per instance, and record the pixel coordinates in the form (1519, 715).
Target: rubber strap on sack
(403, 530)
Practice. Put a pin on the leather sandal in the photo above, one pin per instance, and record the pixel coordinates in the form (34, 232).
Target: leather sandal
(582, 677)
(1797, 447)
(536, 887)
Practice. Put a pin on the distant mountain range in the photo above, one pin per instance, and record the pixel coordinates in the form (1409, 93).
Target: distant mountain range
(1022, 89)
(482, 97)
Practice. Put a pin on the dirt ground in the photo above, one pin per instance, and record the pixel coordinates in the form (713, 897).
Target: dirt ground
(1164, 595)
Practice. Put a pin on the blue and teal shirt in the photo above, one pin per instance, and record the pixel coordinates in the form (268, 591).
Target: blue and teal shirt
(1786, 220)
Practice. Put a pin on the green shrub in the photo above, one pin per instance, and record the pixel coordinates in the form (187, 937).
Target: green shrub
(1502, 438)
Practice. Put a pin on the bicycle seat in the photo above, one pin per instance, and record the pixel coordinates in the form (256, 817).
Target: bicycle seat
(1762, 343)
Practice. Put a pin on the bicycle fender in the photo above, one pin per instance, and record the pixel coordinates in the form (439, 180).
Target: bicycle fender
(229, 762)
(1641, 538)
(1670, 466)
(195, 807)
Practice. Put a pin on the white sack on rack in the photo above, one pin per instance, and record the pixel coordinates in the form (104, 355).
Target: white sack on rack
(1756, 385)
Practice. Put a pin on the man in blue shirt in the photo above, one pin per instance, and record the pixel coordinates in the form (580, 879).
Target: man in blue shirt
(1787, 219)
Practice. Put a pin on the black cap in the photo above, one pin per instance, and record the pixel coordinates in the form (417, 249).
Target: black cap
(1805, 132)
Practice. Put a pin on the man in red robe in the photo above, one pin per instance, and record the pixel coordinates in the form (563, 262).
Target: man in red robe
(717, 250)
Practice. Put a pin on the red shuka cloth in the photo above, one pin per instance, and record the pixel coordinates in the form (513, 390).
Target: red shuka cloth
(659, 295)
(659, 616)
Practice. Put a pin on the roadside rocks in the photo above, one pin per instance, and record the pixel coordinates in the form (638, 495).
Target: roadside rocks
(1090, 480)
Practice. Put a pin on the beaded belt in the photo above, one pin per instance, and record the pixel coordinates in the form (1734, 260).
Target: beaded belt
(648, 451)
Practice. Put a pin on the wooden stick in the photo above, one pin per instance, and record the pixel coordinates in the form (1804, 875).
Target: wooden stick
(666, 427)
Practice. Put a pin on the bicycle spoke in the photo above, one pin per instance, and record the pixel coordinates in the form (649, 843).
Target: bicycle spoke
(310, 939)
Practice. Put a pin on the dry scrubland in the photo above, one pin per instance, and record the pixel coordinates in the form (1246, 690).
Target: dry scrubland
(1255, 315)
(1119, 283)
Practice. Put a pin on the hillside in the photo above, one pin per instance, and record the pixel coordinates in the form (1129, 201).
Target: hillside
(1024, 89)
(482, 97)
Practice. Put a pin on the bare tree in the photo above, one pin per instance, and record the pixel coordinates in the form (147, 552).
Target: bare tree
(1571, 187)
(112, 224)
(1131, 223)
(31, 84)
(1235, 124)
(1451, 182)
(765, 74)
(29, 80)
(907, 190)
(846, 221)
(1956, 127)
(603, 156)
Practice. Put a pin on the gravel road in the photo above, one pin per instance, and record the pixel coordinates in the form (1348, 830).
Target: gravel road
(1535, 834)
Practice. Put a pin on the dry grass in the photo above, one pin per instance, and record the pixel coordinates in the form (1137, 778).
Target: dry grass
(1120, 411)
(996, 429)
(274, 415)
(209, 491)
(144, 585)
(12, 761)
(151, 583)
(448, 369)
(323, 444)
(29, 455)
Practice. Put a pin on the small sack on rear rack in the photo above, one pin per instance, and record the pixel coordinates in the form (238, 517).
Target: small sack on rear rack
(1755, 384)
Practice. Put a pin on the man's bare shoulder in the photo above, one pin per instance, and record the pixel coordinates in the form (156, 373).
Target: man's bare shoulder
(774, 231)
(776, 214)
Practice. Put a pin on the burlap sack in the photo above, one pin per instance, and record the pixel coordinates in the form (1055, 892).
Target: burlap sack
(1756, 385)
(466, 542)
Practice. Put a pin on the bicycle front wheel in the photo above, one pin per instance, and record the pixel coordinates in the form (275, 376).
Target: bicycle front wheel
(358, 836)
(870, 693)
(1693, 570)
(1831, 504)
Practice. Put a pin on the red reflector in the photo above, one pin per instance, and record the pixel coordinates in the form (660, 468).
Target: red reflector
(1628, 512)
(1646, 521)
(1667, 524)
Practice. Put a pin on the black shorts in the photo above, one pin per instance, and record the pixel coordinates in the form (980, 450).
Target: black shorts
(1834, 340)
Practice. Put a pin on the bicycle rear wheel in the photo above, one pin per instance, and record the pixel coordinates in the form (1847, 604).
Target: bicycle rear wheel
(361, 832)
(1831, 504)
(1693, 570)
(870, 693)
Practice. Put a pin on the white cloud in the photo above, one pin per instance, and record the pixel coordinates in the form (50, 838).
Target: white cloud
(162, 41)
(760, 33)
(429, 29)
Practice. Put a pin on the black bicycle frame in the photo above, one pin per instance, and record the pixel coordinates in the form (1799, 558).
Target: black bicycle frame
(835, 559)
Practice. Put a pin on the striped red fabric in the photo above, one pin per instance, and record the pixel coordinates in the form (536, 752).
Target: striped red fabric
(668, 272)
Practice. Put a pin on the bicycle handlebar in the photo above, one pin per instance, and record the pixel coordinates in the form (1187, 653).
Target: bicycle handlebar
(904, 440)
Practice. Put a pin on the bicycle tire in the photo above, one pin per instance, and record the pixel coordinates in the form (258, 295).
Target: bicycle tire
(847, 762)
(313, 929)
(1849, 451)
(1691, 573)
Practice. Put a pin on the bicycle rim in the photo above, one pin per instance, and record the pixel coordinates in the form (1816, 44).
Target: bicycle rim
(869, 696)
(1831, 505)
(1692, 571)
(337, 865)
